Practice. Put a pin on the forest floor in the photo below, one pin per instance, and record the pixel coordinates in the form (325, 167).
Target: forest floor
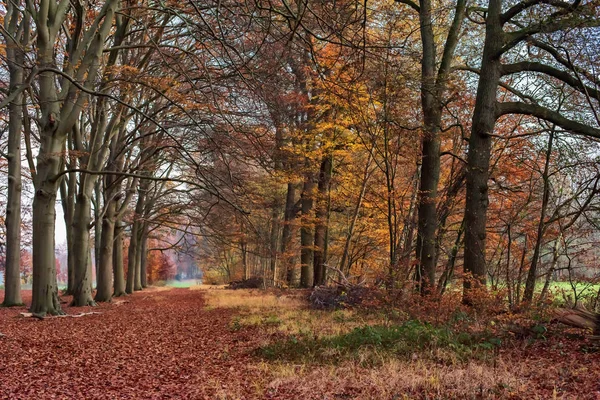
(165, 343)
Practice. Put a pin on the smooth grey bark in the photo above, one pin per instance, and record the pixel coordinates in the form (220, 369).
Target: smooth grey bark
(131, 259)
(107, 239)
(97, 203)
(134, 282)
(48, 166)
(67, 197)
(321, 220)
(111, 238)
(137, 285)
(59, 112)
(118, 261)
(16, 34)
(82, 294)
(144, 257)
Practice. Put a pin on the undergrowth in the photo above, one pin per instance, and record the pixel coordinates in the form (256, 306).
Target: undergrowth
(371, 345)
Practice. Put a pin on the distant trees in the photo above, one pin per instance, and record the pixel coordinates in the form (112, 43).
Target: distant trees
(297, 142)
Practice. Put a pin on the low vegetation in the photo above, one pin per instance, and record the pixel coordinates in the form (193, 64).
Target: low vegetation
(438, 350)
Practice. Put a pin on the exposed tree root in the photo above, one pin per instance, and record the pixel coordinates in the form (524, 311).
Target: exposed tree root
(63, 315)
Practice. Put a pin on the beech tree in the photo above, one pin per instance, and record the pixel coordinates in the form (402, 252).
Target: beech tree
(16, 34)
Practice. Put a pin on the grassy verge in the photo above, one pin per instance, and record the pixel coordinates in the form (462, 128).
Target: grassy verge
(365, 355)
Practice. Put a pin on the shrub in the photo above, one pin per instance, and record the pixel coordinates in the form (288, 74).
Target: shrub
(251, 283)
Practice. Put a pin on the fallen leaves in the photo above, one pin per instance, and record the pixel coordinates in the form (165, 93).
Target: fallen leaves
(169, 345)
(149, 348)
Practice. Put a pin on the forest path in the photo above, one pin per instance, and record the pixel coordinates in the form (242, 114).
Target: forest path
(153, 344)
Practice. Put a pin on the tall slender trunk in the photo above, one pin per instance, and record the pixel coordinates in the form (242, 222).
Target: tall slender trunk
(430, 156)
(134, 281)
(98, 226)
(355, 214)
(434, 82)
(520, 275)
(287, 234)
(132, 257)
(509, 284)
(427, 210)
(277, 204)
(322, 219)
(450, 265)
(480, 142)
(67, 195)
(12, 272)
(137, 283)
(118, 262)
(105, 264)
(144, 257)
(306, 231)
(82, 295)
(274, 242)
(555, 256)
(532, 274)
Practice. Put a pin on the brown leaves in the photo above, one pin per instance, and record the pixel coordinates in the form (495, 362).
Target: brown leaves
(152, 346)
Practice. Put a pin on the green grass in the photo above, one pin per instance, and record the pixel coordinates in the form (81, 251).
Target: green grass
(585, 287)
(370, 343)
(182, 284)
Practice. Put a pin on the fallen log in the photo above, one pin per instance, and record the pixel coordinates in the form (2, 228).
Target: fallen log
(579, 318)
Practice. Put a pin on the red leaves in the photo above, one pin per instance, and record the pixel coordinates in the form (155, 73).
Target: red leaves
(158, 345)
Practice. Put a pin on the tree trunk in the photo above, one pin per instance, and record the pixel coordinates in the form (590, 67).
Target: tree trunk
(97, 226)
(137, 283)
(67, 195)
(321, 217)
(427, 210)
(555, 256)
(144, 257)
(45, 290)
(287, 234)
(484, 119)
(355, 214)
(434, 83)
(131, 259)
(430, 156)
(82, 295)
(12, 272)
(306, 232)
(105, 266)
(532, 274)
(134, 281)
(118, 263)
(274, 239)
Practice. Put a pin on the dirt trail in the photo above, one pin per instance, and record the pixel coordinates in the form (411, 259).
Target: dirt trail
(156, 345)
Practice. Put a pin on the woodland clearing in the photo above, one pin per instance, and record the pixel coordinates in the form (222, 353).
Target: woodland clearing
(216, 343)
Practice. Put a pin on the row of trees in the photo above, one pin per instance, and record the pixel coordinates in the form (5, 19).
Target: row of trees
(301, 140)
